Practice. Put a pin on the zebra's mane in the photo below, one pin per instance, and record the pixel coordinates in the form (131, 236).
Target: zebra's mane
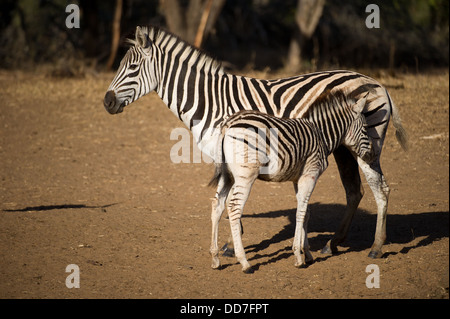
(160, 36)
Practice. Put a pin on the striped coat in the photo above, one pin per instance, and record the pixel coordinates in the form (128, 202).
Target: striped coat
(201, 93)
(298, 153)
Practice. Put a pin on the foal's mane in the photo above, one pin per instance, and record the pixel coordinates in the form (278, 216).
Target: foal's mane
(339, 98)
(334, 99)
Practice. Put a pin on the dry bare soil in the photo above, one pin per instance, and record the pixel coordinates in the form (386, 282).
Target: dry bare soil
(79, 186)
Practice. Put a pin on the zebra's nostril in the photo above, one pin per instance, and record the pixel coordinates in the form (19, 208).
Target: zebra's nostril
(109, 101)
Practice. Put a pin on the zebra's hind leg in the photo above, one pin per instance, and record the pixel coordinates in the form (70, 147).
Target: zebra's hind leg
(218, 207)
(239, 196)
(228, 248)
(351, 180)
(380, 189)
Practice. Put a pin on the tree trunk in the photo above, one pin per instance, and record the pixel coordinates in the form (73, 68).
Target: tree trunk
(201, 28)
(209, 17)
(174, 18)
(194, 22)
(307, 17)
(115, 34)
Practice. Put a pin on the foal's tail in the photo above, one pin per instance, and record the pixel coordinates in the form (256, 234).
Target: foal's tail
(221, 170)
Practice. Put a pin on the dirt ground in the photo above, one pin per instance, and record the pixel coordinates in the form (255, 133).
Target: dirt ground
(79, 186)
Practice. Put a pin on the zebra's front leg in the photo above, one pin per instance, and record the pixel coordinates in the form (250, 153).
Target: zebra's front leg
(300, 246)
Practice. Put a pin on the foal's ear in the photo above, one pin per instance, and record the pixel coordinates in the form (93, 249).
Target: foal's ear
(359, 105)
(142, 38)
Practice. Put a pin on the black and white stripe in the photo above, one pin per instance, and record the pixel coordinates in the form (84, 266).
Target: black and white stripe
(199, 91)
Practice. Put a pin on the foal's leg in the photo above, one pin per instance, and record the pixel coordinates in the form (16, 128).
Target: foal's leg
(228, 248)
(218, 207)
(300, 246)
(239, 196)
(308, 257)
(349, 172)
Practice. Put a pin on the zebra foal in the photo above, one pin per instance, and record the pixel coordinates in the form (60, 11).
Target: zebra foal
(299, 154)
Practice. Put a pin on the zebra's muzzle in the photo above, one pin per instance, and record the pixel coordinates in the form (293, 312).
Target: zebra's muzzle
(110, 103)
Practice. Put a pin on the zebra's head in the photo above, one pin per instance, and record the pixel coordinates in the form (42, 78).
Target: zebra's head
(356, 137)
(135, 76)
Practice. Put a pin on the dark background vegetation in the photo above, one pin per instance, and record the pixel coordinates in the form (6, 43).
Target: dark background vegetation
(413, 35)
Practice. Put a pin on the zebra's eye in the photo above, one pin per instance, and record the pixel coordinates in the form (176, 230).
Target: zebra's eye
(133, 66)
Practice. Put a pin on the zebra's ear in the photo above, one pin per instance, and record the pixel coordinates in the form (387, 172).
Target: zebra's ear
(359, 105)
(142, 38)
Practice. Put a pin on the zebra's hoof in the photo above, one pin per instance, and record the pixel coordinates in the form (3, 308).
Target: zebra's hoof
(375, 254)
(228, 252)
(309, 262)
(215, 264)
(329, 249)
(301, 264)
(248, 270)
(326, 250)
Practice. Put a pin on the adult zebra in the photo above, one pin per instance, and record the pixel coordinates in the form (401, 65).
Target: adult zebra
(201, 94)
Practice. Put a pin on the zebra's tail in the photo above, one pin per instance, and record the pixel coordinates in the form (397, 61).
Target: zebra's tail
(400, 132)
(221, 170)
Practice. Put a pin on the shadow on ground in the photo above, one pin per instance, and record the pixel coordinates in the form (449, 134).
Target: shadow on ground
(325, 218)
(55, 207)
